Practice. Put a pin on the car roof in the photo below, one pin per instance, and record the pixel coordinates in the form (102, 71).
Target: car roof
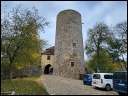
(103, 73)
(121, 71)
(88, 74)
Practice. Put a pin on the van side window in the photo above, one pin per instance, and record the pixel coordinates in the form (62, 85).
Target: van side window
(125, 75)
(116, 75)
(108, 76)
(96, 76)
(120, 75)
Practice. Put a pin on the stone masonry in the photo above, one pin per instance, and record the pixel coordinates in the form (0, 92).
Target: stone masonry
(69, 52)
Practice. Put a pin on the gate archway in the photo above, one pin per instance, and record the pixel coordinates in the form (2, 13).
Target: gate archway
(48, 69)
(51, 69)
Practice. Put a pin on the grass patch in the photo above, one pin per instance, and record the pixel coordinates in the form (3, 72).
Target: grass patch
(24, 86)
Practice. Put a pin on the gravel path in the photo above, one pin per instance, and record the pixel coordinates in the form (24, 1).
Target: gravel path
(56, 85)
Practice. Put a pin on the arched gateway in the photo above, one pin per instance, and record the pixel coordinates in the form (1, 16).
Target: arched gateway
(47, 60)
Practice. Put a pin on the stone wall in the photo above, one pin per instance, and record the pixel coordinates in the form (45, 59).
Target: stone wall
(69, 45)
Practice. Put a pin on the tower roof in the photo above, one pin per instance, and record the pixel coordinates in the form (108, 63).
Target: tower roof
(68, 10)
(48, 51)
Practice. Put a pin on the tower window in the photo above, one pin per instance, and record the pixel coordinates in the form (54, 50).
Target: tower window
(48, 57)
(74, 45)
(72, 64)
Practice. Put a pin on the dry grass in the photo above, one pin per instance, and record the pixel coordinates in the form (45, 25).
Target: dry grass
(24, 86)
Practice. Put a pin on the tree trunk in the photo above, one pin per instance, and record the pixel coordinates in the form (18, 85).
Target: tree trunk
(10, 76)
(98, 58)
(10, 72)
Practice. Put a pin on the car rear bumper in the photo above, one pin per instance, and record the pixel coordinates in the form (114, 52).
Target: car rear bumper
(120, 91)
(99, 86)
(87, 81)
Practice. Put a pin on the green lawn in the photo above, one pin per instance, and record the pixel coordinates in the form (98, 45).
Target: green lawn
(25, 86)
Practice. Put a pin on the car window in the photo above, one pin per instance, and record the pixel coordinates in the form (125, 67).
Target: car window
(96, 76)
(108, 76)
(87, 76)
(125, 75)
(120, 75)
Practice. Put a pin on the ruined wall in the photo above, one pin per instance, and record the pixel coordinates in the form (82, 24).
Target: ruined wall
(69, 45)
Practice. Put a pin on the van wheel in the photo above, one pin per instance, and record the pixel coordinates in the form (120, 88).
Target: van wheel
(108, 87)
(95, 87)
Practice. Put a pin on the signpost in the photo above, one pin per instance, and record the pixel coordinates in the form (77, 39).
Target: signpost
(98, 69)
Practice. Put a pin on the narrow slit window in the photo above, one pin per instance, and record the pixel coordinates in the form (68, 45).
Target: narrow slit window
(48, 57)
(72, 64)
(74, 45)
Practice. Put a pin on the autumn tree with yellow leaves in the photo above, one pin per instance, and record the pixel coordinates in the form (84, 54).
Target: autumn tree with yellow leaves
(20, 42)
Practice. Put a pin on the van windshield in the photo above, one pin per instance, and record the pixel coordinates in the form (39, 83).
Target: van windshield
(96, 76)
(120, 75)
(108, 76)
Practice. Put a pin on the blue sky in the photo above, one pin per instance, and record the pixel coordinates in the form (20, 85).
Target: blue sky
(92, 12)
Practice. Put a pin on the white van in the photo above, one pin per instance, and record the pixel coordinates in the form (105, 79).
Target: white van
(102, 80)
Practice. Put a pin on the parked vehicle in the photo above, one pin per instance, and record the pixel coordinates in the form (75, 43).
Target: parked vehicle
(102, 80)
(87, 79)
(120, 82)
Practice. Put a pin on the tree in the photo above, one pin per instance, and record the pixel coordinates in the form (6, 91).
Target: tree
(97, 39)
(18, 29)
(105, 63)
(121, 31)
(114, 50)
(117, 48)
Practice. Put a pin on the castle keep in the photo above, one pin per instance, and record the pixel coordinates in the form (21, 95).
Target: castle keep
(69, 52)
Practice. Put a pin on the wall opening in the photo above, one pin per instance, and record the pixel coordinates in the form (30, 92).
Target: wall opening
(48, 57)
(72, 64)
(46, 70)
(74, 45)
(51, 70)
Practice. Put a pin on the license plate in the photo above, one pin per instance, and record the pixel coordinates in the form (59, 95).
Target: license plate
(94, 82)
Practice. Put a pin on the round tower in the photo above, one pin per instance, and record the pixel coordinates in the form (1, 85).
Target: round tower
(69, 52)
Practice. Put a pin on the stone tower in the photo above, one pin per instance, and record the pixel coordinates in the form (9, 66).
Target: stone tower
(69, 53)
